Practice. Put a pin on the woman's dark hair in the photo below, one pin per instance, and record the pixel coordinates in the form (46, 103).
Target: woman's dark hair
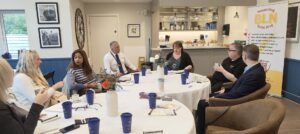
(85, 64)
(178, 44)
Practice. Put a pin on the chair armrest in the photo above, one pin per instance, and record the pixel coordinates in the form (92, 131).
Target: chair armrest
(214, 102)
(212, 114)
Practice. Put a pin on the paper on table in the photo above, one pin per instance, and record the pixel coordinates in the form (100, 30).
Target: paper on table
(162, 112)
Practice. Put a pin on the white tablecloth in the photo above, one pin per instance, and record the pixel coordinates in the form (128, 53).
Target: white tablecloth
(189, 94)
(182, 123)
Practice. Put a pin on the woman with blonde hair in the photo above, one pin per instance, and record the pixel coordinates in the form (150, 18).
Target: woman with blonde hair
(29, 79)
(11, 122)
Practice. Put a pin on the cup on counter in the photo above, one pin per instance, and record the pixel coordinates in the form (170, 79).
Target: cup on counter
(126, 119)
(67, 109)
(94, 125)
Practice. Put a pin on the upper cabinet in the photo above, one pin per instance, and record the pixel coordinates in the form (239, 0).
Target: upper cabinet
(188, 19)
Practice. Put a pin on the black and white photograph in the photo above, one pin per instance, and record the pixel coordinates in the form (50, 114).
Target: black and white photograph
(133, 30)
(50, 37)
(47, 13)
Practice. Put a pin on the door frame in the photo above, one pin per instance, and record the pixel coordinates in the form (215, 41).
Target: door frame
(89, 31)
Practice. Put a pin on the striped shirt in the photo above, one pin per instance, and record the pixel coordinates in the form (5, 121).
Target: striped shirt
(76, 79)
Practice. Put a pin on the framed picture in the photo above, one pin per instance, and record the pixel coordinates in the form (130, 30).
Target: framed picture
(133, 30)
(50, 37)
(292, 32)
(47, 12)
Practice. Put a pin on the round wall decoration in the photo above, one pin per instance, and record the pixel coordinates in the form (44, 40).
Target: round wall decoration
(79, 28)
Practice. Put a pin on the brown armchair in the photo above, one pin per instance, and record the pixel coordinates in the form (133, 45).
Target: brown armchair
(262, 116)
(259, 94)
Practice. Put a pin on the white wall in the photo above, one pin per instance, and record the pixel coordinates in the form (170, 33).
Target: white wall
(74, 4)
(32, 26)
(238, 26)
(128, 14)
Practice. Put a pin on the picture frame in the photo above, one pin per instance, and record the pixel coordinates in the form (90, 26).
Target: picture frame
(133, 30)
(47, 12)
(292, 33)
(50, 37)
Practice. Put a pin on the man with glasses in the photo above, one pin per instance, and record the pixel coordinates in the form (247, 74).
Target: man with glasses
(230, 70)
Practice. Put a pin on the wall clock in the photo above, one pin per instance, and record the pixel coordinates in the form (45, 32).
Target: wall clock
(79, 28)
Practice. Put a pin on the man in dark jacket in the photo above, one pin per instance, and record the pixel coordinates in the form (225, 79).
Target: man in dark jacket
(252, 79)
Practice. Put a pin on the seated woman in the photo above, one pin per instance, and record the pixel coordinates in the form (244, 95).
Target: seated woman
(11, 122)
(29, 79)
(178, 59)
(80, 75)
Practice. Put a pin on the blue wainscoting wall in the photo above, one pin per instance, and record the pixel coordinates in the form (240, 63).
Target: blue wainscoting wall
(291, 79)
(59, 65)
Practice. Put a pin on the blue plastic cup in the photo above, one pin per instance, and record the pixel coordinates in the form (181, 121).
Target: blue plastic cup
(187, 73)
(136, 77)
(67, 108)
(183, 79)
(143, 71)
(90, 97)
(152, 100)
(94, 125)
(126, 122)
(166, 70)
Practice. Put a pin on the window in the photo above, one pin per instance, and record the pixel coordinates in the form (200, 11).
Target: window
(13, 32)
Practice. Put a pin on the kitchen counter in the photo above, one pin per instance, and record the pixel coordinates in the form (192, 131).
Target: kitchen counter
(203, 57)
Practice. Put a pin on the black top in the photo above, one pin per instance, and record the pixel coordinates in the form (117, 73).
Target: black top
(12, 123)
(234, 67)
(185, 60)
(252, 80)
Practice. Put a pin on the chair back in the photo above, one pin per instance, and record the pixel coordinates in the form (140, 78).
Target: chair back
(258, 94)
(50, 75)
(262, 116)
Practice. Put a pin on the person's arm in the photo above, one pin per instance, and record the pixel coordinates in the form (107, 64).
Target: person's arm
(129, 64)
(188, 61)
(246, 87)
(70, 79)
(32, 118)
(227, 74)
(107, 65)
(23, 86)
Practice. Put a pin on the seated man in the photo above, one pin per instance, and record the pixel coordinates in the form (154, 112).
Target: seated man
(115, 62)
(231, 69)
(252, 79)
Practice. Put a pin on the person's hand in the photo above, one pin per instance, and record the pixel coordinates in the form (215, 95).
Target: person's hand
(92, 85)
(119, 74)
(216, 66)
(58, 85)
(219, 68)
(41, 97)
(189, 67)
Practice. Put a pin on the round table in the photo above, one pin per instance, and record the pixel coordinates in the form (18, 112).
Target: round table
(182, 123)
(198, 87)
